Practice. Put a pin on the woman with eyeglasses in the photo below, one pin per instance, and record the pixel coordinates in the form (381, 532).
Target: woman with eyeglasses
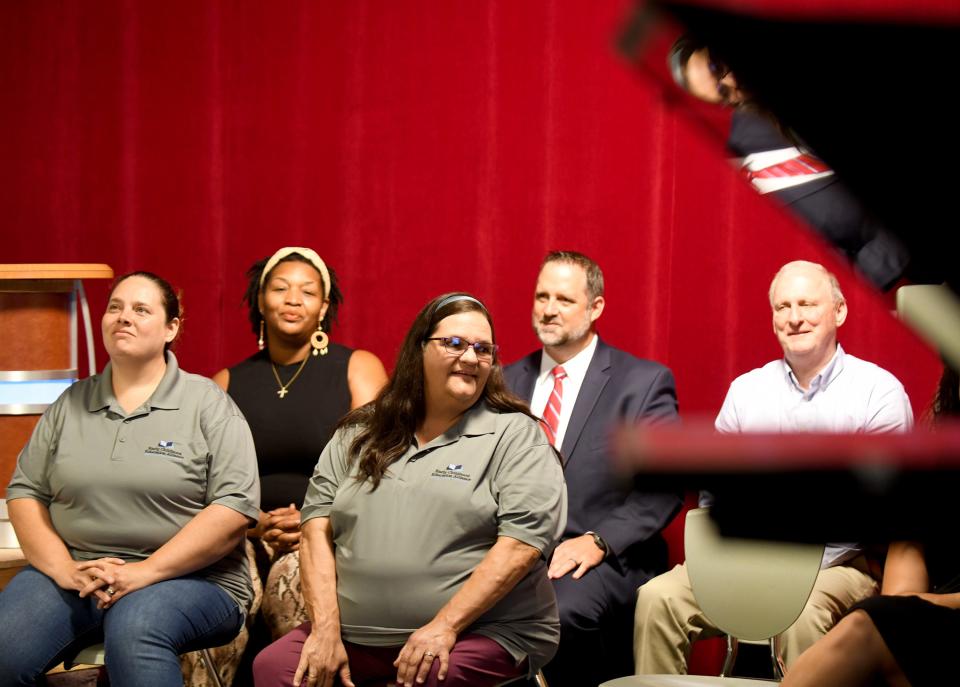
(130, 501)
(426, 526)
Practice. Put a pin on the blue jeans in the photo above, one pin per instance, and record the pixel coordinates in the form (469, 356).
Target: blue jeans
(143, 633)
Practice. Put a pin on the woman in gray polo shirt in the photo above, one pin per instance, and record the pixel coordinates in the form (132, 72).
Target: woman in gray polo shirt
(426, 526)
(130, 501)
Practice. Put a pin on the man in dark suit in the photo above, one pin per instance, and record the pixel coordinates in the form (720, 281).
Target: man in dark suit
(583, 388)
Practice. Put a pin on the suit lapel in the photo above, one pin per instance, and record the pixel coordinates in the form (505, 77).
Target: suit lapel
(593, 384)
(527, 380)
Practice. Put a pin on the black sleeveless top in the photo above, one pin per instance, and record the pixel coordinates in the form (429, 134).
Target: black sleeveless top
(290, 432)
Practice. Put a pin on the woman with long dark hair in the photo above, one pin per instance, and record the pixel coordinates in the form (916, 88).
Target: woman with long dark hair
(427, 523)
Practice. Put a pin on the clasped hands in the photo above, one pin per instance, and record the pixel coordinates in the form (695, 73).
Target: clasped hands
(108, 579)
(280, 528)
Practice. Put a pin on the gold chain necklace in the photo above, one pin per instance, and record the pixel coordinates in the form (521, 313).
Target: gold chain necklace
(282, 391)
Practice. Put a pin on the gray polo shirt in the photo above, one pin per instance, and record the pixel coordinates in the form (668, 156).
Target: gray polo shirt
(123, 485)
(403, 550)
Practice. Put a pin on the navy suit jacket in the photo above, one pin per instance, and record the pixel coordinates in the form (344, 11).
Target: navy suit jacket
(617, 388)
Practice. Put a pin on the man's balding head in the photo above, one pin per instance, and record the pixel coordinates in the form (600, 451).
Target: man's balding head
(808, 307)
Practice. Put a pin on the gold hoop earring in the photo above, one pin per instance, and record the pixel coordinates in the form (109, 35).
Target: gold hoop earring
(260, 340)
(319, 340)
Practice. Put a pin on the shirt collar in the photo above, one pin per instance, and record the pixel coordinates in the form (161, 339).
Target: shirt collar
(167, 395)
(478, 420)
(823, 379)
(170, 389)
(576, 367)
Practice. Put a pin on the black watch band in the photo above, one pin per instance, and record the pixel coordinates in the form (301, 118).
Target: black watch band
(598, 540)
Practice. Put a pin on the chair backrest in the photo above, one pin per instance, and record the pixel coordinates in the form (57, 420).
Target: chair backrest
(750, 589)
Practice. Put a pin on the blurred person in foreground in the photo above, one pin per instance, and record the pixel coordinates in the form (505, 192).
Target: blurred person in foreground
(776, 163)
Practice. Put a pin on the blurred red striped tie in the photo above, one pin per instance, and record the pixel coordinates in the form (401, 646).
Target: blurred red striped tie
(551, 414)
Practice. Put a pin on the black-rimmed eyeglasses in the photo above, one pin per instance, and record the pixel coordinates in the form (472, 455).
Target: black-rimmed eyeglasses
(455, 345)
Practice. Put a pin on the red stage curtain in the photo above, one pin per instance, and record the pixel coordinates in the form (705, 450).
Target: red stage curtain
(420, 147)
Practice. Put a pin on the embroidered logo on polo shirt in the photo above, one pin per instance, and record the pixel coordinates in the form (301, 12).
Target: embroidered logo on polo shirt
(164, 448)
(452, 471)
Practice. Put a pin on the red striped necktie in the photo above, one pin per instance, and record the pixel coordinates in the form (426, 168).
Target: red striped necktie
(801, 165)
(551, 414)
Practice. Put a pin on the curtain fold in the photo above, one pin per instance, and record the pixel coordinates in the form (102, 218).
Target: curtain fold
(419, 147)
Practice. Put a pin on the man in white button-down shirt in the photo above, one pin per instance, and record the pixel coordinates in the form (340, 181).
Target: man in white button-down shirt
(815, 387)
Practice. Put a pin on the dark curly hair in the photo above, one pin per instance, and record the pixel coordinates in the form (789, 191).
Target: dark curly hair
(387, 424)
(251, 297)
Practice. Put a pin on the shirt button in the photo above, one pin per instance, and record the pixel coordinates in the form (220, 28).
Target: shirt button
(122, 439)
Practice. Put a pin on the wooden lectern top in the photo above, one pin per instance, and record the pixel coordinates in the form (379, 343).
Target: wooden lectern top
(68, 270)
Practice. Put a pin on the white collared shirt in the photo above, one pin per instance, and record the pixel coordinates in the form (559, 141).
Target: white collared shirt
(576, 369)
(847, 395)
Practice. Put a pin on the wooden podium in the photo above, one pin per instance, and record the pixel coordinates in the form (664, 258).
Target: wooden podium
(39, 348)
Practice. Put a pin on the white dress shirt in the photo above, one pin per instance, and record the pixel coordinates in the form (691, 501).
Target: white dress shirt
(576, 369)
(848, 395)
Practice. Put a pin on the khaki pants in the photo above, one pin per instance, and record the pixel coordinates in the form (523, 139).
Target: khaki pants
(667, 619)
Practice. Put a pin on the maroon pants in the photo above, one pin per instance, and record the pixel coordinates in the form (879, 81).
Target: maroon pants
(475, 661)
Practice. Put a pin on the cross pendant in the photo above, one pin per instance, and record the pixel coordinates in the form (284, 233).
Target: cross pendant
(282, 392)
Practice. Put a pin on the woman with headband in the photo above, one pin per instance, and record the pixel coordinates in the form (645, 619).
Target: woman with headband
(293, 391)
(427, 524)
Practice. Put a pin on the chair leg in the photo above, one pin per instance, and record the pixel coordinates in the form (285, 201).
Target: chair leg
(778, 668)
(211, 667)
(731, 656)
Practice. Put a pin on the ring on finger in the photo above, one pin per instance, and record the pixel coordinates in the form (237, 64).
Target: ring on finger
(111, 591)
(429, 653)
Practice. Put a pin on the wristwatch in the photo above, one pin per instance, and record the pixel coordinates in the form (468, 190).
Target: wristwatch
(598, 540)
